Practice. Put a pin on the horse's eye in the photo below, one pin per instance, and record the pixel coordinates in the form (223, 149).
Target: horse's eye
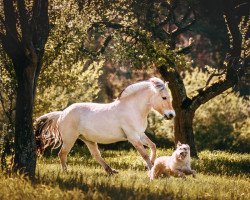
(164, 98)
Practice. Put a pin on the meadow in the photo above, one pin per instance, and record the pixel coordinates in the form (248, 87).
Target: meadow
(221, 175)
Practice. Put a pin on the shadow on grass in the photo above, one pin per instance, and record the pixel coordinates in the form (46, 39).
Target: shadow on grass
(221, 163)
(103, 190)
(214, 163)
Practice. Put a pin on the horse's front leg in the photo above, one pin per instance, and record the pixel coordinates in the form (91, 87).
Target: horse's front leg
(137, 143)
(146, 141)
(93, 148)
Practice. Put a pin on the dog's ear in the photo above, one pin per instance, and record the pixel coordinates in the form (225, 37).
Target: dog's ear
(178, 144)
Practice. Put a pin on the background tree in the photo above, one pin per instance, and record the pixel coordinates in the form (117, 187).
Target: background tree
(151, 33)
(24, 32)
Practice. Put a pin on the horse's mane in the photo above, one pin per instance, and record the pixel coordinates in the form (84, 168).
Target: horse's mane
(152, 82)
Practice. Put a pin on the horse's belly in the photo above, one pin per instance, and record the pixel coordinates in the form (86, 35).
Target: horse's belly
(102, 135)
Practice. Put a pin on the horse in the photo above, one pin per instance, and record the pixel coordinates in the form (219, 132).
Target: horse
(124, 119)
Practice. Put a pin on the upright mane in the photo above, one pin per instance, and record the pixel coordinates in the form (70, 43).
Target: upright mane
(154, 83)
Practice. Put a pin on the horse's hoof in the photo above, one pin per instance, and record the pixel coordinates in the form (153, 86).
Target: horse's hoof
(111, 171)
(114, 171)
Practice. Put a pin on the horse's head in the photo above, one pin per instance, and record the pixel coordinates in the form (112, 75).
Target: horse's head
(161, 100)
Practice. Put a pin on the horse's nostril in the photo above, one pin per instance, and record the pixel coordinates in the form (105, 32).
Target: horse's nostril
(168, 116)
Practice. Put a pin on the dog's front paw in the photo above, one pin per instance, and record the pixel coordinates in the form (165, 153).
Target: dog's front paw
(194, 173)
(181, 174)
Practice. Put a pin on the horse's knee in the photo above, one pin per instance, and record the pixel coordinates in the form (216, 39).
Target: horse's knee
(63, 153)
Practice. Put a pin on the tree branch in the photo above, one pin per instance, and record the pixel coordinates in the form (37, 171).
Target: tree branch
(213, 75)
(102, 49)
(10, 46)
(105, 45)
(10, 19)
(106, 24)
(26, 32)
(40, 24)
(209, 93)
(180, 30)
(40, 32)
(232, 68)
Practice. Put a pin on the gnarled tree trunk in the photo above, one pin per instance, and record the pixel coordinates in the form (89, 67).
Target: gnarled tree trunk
(23, 40)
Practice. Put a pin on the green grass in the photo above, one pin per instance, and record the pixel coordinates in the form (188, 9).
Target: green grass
(221, 175)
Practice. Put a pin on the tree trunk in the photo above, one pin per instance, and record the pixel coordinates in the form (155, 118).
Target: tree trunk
(25, 147)
(183, 122)
(183, 129)
(25, 33)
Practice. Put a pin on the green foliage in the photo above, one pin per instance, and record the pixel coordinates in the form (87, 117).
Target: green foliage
(66, 78)
(75, 86)
(135, 40)
(244, 27)
(7, 108)
(162, 128)
(87, 180)
(223, 122)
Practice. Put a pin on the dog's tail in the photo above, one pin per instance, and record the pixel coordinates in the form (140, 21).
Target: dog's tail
(47, 132)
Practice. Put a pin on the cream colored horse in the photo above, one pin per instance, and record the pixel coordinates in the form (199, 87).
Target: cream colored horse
(123, 119)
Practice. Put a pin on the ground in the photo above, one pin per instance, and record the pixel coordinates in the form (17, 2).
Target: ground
(221, 175)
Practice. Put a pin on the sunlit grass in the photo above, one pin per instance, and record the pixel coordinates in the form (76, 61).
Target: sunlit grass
(221, 175)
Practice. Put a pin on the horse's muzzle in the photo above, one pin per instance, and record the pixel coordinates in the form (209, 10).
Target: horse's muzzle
(169, 114)
(168, 117)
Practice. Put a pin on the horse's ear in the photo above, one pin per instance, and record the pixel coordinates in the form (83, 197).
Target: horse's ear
(156, 83)
(166, 83)
(178, 144)
(152, 80)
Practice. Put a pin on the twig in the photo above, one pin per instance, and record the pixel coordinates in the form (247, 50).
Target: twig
(213, 75)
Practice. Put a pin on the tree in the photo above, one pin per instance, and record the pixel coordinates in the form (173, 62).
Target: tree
(153, 33)
(185, 106)
(23, 35)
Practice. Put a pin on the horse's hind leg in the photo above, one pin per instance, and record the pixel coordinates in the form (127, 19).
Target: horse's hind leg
(93, 148)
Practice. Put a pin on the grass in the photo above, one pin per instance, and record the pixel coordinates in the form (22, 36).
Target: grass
(221, 175)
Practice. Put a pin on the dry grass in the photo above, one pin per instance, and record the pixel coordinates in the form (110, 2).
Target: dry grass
(220, 176)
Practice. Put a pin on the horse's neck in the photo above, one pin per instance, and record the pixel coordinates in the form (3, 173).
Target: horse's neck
(141, 101)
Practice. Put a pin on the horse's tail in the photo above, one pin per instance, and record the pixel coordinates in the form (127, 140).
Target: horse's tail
(47, 132)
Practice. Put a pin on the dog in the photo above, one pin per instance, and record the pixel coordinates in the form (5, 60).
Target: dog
(178, 165)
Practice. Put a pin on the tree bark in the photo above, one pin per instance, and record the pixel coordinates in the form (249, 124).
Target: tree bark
(183, 128)
(25, 146)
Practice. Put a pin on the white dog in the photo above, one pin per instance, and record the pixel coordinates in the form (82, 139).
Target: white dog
(176, 165)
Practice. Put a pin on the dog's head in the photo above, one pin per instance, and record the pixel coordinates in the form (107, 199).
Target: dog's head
(182, 151)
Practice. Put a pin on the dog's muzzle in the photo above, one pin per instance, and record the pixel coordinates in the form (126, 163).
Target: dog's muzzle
(183, 154)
